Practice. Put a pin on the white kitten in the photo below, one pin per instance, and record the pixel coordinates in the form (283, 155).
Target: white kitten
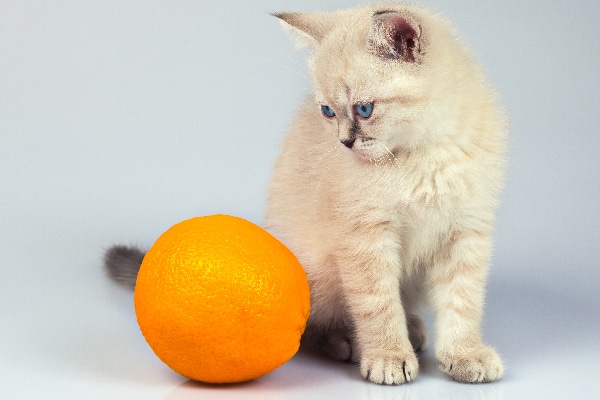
(386, 190)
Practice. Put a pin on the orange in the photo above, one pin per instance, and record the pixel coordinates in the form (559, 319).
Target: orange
(219, 299)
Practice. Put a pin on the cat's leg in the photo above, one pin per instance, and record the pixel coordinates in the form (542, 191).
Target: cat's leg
(457, 284)
(333, 341)
(412, 292)
(329, 329)
(417, 333)
(370, 278)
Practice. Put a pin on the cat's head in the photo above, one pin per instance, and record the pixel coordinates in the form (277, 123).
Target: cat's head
(373, 77)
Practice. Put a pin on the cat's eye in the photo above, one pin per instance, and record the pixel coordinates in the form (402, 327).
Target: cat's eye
(364, 110)
(327, 111)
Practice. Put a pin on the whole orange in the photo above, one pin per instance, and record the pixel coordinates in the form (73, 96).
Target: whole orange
(219, 299)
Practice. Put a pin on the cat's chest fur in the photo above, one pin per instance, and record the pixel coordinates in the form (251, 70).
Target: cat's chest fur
(421, 203)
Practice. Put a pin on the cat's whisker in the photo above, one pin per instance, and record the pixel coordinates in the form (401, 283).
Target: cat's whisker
(391, 155)
(317, 146)
(326, 153)
(331, 161)
(300, 72)
(380, 156)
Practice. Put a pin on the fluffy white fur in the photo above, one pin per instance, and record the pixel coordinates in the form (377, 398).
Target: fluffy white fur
(408, 211)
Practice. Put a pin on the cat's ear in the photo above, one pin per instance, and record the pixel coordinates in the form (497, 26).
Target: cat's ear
(397, 36)
(307, 29)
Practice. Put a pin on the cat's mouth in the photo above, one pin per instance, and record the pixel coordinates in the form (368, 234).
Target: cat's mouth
(371, 150)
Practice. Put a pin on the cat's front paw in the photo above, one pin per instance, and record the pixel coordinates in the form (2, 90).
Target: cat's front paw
(477, 365)
(389, 368)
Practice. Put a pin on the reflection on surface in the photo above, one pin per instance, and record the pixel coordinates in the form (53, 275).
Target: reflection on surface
(309, 376)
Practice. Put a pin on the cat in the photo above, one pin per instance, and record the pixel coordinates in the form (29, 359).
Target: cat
(386, 190)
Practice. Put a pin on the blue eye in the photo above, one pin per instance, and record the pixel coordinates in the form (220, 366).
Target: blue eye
(364, 110)
(327, 111)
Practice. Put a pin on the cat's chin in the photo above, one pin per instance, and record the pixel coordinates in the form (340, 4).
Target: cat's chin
(363, 155)
(372, 155)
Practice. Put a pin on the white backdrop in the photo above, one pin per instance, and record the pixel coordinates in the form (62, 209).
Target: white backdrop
(121, 118)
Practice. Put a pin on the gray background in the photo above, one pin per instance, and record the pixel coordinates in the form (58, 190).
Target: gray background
(121, 118)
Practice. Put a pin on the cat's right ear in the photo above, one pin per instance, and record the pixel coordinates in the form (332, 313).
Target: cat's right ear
(397, 36)
(307, 29)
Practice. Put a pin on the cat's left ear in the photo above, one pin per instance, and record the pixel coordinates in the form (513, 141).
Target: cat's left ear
(308, 29)
(397, 36)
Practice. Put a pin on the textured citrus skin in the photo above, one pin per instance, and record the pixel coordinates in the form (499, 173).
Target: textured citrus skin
(219, 300)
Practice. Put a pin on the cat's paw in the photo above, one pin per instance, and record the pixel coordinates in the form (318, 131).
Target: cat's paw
(389, 368)
(335, 343)
(337, 346)
(477, 365)
(417, 333)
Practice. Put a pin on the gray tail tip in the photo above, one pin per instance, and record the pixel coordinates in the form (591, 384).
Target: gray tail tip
(122, 264)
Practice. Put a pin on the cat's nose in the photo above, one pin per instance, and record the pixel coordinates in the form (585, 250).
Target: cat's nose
(348, 142)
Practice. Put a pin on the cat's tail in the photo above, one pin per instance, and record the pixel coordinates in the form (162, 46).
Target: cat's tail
(122, 263)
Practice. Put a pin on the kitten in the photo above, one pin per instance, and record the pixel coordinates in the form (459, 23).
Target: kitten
(386, 190)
